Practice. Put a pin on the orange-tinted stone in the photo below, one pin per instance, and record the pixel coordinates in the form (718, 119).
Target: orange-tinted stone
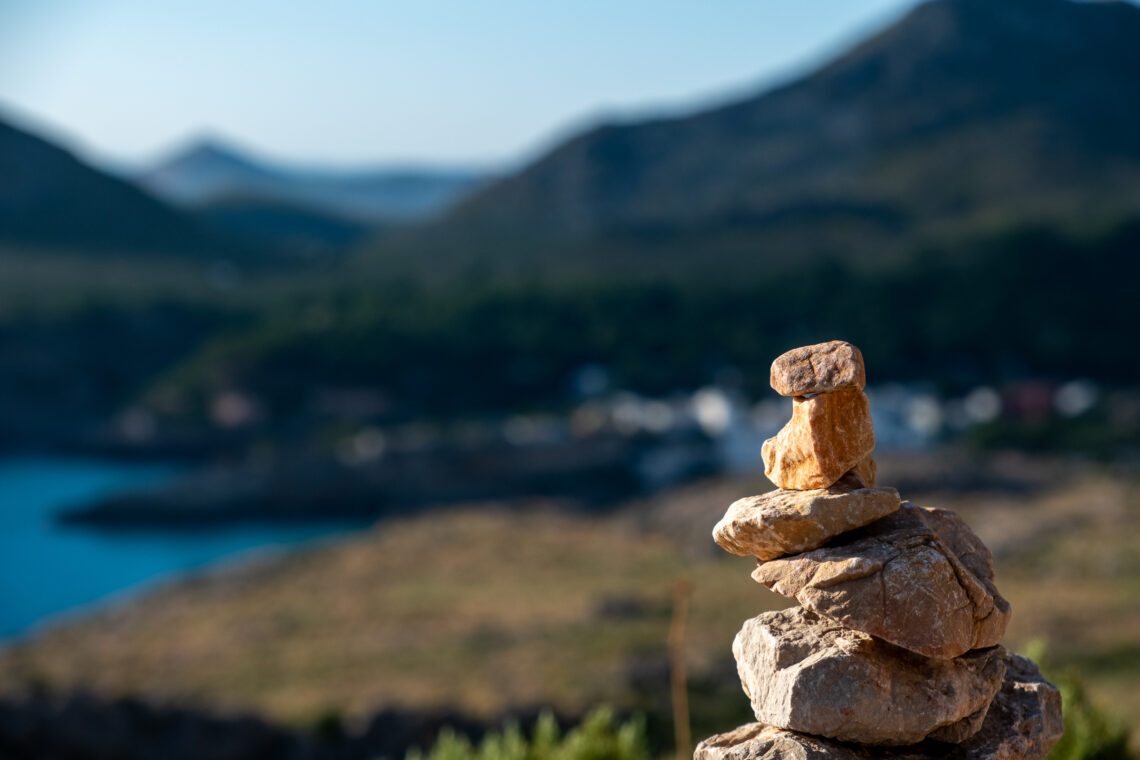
(828, 435)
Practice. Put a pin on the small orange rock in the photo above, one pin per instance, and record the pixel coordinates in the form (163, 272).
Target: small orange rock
(828, 435)
(822, 368)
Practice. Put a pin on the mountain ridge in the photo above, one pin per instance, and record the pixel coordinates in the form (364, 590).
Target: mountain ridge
(210, 169)
(960, 116)
(51, 199)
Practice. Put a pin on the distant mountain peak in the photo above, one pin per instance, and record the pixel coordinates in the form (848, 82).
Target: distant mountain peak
(213, 148)
(51, 199)
(211, 169)
(213, 153)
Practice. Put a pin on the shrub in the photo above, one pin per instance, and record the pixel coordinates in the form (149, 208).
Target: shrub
(598, 737)
(1090, 733)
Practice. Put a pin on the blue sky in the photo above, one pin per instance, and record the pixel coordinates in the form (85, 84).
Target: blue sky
(348, 81)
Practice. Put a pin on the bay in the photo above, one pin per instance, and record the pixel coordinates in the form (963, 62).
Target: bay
(49, 570)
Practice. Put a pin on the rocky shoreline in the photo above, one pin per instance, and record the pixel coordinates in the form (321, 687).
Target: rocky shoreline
(310, 487)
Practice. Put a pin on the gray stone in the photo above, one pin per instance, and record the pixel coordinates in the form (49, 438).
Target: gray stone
(787, 522)
(956, 733)
(1022, 723)
(805, 673)
(899, 580)
(756, 741)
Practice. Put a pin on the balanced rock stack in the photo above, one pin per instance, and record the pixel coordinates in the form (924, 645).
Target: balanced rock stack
(894, 650)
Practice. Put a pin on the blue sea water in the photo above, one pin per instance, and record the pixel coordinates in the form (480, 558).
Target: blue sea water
(47, 569)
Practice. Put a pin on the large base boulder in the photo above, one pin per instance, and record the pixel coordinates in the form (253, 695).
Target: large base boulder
(1022, 723)
(805, 673)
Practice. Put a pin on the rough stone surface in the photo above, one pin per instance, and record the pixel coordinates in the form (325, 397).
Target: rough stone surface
(898, 580)
(821, 368)
(786, 522)
(866, 471)
(828, 435)
(961, 539)
(1022, 723)
(956, 733)
(756, 741)
(805, 673)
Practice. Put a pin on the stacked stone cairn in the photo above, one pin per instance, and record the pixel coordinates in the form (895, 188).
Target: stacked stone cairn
(894, 650)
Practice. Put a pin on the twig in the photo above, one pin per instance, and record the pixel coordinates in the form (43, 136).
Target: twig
(682, 591)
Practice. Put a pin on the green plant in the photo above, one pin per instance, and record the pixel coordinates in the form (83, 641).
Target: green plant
(1090, 733)
(598, 737)
(329, 725)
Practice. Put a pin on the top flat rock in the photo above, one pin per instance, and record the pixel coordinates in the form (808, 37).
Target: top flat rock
(822, 368)
(1023, 723)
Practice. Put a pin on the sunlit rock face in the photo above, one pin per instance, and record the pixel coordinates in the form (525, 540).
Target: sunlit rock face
(821, 368)
(897, 579)
(787, 522)
(805, 673)
(828, 435)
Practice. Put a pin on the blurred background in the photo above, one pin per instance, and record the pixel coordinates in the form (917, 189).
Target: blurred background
(370, 368)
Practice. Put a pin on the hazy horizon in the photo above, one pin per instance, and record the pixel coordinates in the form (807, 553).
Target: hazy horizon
(124, 83)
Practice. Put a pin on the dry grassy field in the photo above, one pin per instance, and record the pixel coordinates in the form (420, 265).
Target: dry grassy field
(490, 608)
